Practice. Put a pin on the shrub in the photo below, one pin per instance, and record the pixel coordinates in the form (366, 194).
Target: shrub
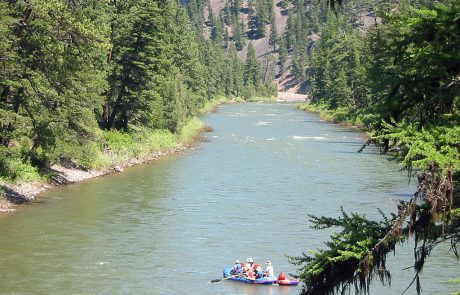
(12, 167)
(340, 115)
(370, 121)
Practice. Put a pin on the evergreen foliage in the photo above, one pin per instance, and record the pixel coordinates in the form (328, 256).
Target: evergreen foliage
(71, 68)
(400, 79)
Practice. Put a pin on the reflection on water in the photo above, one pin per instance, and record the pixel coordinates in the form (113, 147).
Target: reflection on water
(171, 227)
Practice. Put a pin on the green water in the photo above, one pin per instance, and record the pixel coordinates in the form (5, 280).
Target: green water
(171, 226)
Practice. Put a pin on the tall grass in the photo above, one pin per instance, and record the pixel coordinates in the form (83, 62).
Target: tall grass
(211, 105)
(191, 131)
(120, 147)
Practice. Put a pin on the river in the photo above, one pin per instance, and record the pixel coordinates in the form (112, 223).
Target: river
(171, 226)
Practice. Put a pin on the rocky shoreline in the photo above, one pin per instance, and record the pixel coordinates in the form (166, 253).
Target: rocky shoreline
(23, 193)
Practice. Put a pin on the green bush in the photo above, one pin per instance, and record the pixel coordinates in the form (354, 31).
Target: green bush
(369, 121)
(118, 140)
(340, 115)
(13, 167)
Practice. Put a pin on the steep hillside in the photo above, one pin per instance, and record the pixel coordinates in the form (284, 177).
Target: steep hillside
(261, 44)
(283, 56)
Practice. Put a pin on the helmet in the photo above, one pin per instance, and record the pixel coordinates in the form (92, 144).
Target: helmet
(250, 260)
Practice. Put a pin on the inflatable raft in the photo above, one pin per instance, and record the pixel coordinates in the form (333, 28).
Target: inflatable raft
(287, 282)
(262, 281)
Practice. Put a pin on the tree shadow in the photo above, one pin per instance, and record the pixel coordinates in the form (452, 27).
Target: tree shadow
(254, 35)
(244, 10)
(14, 197)
(291, 81)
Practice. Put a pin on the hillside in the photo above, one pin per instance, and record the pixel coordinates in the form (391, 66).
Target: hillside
(261, 44)
(297, 23)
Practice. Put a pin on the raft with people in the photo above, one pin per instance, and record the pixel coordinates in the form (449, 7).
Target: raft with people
(252, 273)
(242, 278)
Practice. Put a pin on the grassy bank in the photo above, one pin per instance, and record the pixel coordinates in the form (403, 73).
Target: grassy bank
(108, 149)
(121, 147)
(92, 158)
(114, 151)
(343, 116)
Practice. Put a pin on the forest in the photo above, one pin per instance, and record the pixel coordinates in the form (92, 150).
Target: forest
(80, 79)
(398, 78)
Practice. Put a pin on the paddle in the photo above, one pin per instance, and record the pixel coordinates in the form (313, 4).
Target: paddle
(223, 279)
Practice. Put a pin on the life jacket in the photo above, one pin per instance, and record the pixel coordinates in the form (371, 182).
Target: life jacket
(235, 268)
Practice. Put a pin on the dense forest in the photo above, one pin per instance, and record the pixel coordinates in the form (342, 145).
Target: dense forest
(83, 78)
(398, 78)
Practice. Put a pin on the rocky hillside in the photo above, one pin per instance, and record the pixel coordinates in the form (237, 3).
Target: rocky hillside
(261, 44)
(296, 23)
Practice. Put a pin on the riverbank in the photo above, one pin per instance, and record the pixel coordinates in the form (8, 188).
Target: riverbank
(57, 175)
(120, 151)
(341, 116)
(21, 193)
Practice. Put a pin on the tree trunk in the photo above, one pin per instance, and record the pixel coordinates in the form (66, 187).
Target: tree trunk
(124, 122)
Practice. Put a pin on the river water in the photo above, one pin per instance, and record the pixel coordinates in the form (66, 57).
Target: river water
(171, 226)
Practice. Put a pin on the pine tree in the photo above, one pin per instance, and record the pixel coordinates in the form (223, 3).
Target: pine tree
(237, 72)
(143, 59)
(282, 56)
(55, 75)
(273, 40)
(188, 60)
(251, 69)
(238, 35)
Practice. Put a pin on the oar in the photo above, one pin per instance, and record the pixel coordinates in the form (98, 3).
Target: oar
(223, 279)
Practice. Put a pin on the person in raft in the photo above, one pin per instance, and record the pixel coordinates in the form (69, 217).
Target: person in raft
(249, 268)
(237, 268)
(258, 272)
(269, 272)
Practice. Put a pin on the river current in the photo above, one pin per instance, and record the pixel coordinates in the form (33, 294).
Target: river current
(171, 226)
